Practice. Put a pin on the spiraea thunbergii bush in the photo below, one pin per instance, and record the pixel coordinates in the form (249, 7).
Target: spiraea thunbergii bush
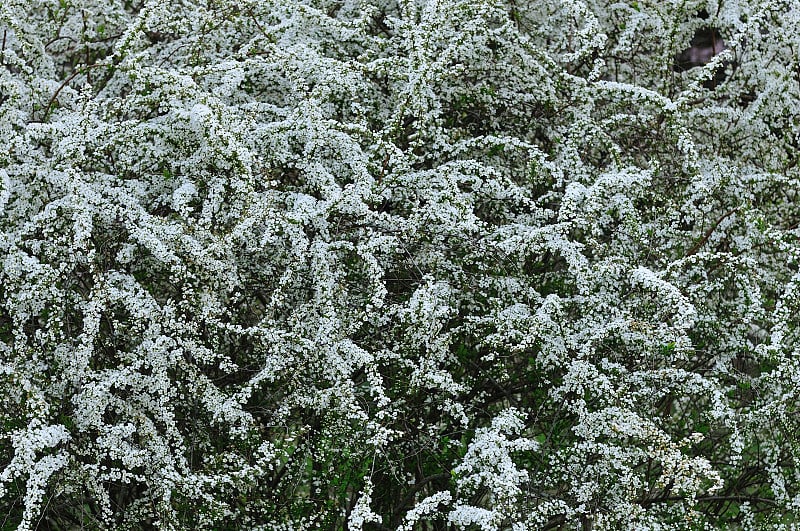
(407, 265)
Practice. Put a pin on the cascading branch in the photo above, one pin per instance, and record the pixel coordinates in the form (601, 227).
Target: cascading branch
(472, 264)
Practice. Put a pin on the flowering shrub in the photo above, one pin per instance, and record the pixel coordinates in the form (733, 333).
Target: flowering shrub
(412, 264)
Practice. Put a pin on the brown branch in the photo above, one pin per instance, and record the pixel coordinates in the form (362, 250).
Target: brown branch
(735, 498)
(413, 491)
(697, 246)
(258, 25)
(555, 522)
(66, 82)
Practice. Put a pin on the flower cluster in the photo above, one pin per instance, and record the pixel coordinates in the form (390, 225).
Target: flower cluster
(399, 264)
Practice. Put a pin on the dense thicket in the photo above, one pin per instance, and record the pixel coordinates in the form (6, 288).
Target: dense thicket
(414, 264)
